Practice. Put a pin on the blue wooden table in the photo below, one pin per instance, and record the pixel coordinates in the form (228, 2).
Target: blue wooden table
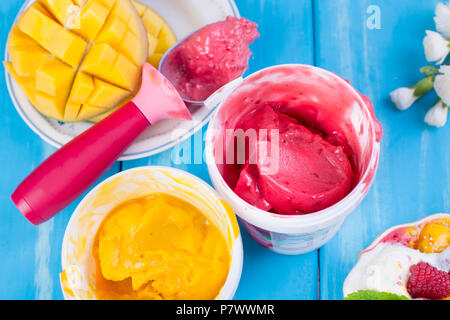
(412, 181)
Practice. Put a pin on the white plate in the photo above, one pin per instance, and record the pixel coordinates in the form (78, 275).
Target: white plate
(184, 16)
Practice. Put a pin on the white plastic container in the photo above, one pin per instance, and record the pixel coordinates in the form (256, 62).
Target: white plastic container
(302, 233)
(78, 263)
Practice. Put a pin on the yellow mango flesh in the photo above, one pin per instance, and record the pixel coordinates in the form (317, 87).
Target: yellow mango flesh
(160, 247)
(26, 83)
(78, 59)
(166, 39)
(105, 94)
(19, 39)
(113, 33)
(160, 36)
(54, 78)
(434, 237)
(81, 90)
(88, 111)
(92, 19)
(82, 87)
(26, 62)
(153, 22)
(63, 10)
(52, 36)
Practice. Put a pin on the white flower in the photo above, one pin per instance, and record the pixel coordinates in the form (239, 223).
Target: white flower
(442, 84)
(442, 19)
(437, 116)
(445, 69)
(436, 47)
(403, 98)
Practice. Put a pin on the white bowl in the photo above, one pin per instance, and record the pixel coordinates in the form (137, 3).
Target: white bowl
(77, 250)
(348, 283)
(184, 16)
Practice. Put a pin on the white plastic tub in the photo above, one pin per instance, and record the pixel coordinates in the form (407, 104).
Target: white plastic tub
(301, 233)
(78, 262)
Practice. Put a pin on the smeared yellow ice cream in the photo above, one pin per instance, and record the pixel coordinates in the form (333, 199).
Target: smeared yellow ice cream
(160, 247)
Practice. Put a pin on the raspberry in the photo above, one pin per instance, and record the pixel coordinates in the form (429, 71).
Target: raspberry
(428, 282)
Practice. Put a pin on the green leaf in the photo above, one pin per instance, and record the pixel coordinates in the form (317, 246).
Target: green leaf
(429, 70)
(374, 295)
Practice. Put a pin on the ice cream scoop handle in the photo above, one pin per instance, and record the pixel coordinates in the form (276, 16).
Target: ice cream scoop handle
(71, 170)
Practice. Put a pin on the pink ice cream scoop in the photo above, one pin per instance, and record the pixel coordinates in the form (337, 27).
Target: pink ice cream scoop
(210, 58)
(65, 175)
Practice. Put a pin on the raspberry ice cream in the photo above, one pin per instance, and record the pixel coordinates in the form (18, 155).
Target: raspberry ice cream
(412, 261)
(210, 58)
(313, 173)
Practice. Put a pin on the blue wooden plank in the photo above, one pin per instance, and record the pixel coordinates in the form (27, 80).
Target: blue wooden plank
(413, 175)
(286, 37)
(30, 256)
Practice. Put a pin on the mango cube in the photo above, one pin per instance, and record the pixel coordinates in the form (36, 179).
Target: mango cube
(125, 74)
(153, 22)
(71, 111)
(63, 10)
(68, 47)
(26, 60)
(130, 45)
(88, 111)
(152, 43)
(82, 87)
(160, 35)
(50, 106)
(38, 26)
(113, 32)
(92, 19)
(106, 94)
(51, 36)
(122, 10)
(19, 39)
(54, 78)
(99, 59)
(166, 39)
(26, 83)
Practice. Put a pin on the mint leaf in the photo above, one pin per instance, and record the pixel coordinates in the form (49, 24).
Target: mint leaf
(374, 295)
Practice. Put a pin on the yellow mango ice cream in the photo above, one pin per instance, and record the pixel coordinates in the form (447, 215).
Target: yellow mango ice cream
(160, 247)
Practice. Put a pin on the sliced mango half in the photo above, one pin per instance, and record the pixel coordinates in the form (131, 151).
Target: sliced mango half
(77, 59)
(81, 60)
